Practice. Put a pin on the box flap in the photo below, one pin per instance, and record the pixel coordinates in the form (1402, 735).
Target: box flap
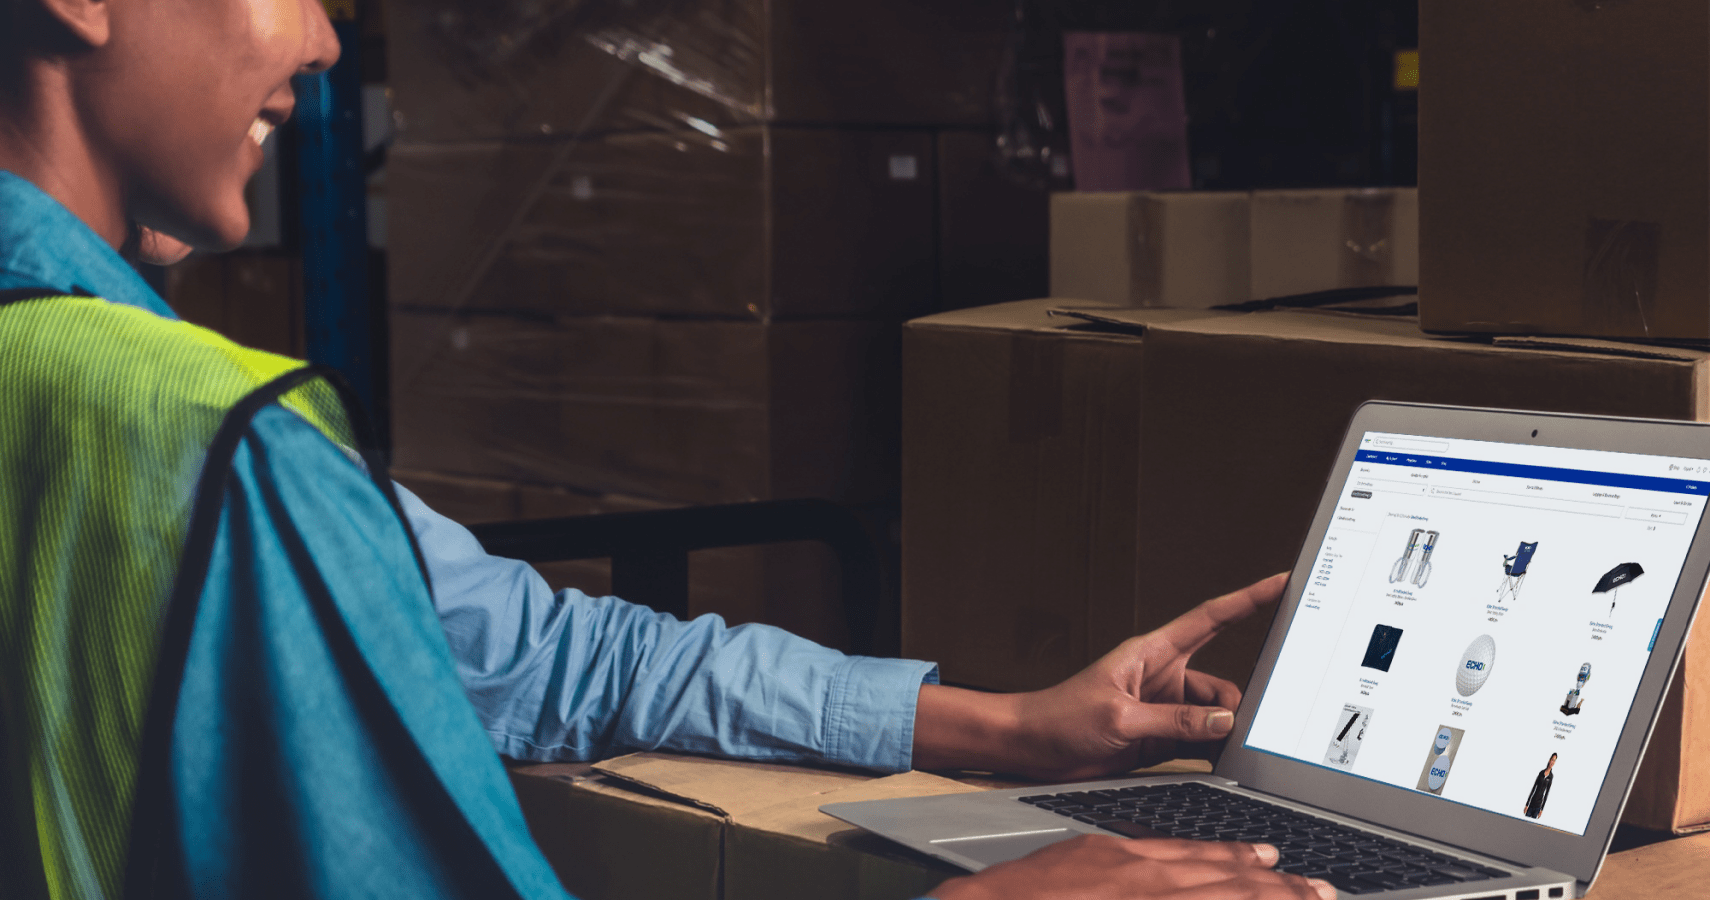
(1606, 348)
(729, 787)
(1338, 326)
(1132, 318)
(1019, 315)
(800, 816)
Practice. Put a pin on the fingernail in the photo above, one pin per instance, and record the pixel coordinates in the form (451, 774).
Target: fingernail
(1267, 854)
(1324, 888)
(1220, 722)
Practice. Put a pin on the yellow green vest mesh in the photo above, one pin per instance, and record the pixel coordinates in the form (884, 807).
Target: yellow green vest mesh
(106, 413)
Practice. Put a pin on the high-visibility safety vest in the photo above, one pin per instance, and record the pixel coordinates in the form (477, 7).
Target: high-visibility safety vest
(117, 433)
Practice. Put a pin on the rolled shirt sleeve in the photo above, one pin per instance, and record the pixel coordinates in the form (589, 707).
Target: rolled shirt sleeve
(566, 676)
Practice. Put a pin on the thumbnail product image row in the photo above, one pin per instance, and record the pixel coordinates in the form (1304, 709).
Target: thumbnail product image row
(1515, 567)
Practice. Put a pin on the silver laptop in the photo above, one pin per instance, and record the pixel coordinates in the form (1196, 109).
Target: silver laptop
(1457, 688)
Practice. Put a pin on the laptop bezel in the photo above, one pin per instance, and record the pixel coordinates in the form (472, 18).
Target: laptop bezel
(1415, 812)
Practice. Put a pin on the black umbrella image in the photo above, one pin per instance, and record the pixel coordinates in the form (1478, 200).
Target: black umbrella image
(1613, 579)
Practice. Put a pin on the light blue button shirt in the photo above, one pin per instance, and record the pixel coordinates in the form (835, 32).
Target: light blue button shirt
(556, 676)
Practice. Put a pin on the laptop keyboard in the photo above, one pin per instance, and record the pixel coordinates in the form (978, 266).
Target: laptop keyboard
(1355, 861)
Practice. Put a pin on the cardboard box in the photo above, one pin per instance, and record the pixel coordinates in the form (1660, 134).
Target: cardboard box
(1203, 249)
(1234, 422)
(775, 842)
(466, 71)
(1313, 240)
(757, 224)
(993, 231)
(1570, 199)
(1021, 437)
(683, 411)
(1185, 249)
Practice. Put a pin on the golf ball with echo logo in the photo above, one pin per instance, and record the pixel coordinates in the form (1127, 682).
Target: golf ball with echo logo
(1475, 665)
(1439, 772)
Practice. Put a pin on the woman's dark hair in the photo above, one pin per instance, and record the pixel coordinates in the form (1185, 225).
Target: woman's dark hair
(27, 30)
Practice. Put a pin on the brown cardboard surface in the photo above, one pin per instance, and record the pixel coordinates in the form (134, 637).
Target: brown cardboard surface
(684, 411)
(1021, 433)
(604, 840)
(1313, 240)
(778, 844)
(1567, 199)
(1199, 249)
(755, 223)
(1677, 868)
(992, 231)
(462, 70)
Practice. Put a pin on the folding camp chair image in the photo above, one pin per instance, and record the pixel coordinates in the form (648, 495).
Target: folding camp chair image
(1514, 570)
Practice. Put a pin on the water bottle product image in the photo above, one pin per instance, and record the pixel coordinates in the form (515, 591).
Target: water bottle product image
(1423, 573)
(1398, 572)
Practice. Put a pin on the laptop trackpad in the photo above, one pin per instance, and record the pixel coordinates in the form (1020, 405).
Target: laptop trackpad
(992, 849)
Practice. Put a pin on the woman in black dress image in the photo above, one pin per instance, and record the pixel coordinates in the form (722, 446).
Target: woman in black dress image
(1541, 790)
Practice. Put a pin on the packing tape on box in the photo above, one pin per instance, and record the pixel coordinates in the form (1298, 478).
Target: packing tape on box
(1368, 239)
(1035, 387)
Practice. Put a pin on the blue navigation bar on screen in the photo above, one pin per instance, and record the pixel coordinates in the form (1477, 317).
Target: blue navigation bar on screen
(1536, 473)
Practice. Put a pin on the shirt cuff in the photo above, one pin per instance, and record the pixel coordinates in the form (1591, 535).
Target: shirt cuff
(870, 718)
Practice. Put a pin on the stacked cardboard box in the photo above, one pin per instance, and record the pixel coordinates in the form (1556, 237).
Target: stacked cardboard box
(1209, 248)
(1565, 200)
(1070, 481)
(664, 252)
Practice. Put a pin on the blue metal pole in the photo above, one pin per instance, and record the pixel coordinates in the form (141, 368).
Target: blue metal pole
(333, 219)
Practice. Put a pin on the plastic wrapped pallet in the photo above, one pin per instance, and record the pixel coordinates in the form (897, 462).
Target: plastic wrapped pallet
(476, 69)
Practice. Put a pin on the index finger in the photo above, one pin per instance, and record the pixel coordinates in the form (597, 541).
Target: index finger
(1191, 630)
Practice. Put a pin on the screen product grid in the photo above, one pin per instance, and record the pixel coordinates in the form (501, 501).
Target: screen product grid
(1462, 663)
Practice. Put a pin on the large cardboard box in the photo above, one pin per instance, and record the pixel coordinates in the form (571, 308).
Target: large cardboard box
(467, 70)
(1021, 437)
(1235, 423)
(683, 411)
(1571, 198)
(1211, 248)
(750, 830)
(756, 224)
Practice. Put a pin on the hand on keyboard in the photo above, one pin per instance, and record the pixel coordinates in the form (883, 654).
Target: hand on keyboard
(1095, 867)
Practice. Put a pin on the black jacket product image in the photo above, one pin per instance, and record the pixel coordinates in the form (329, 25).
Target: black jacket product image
(1540, 793)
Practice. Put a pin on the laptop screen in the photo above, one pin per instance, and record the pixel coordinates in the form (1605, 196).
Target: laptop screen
(1478, 619)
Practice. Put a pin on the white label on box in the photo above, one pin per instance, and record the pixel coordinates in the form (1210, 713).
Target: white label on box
(582, 187)
(904, 167)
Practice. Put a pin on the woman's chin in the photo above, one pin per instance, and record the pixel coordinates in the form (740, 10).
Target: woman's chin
(160, 249)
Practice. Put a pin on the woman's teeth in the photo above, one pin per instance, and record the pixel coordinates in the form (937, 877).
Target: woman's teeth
(259, 130)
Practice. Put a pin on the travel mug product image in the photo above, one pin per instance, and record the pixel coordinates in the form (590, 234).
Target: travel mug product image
(1475, 665)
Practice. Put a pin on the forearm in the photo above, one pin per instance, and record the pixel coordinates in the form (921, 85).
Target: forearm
(956, 728)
